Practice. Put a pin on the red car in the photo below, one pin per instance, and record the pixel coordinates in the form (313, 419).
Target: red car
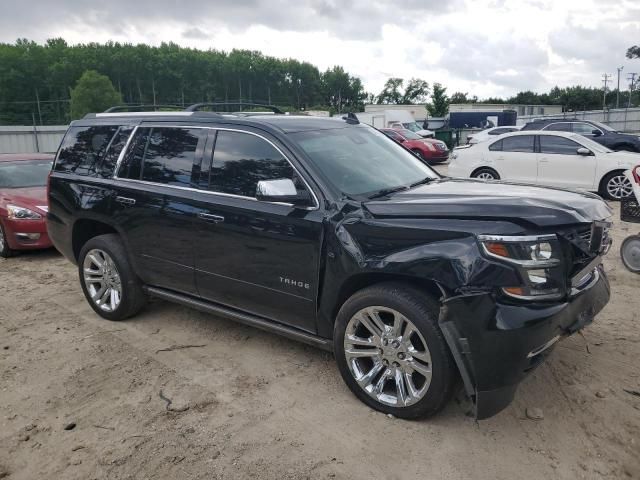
(23, 202)
(429, 150)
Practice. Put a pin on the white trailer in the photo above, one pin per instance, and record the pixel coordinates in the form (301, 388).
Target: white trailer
(397, 119)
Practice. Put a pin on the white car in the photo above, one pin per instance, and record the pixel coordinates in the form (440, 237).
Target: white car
(556, 159)
(489, 133)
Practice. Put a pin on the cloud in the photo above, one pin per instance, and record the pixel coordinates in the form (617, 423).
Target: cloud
(484, 47)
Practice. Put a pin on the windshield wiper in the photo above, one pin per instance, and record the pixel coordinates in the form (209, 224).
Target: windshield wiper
(387, 191)
(424, 181)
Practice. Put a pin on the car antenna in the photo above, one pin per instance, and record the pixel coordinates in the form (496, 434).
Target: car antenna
(351, 118)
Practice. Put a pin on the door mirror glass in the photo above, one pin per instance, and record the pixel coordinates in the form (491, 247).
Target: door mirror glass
(596, 132)
(583, 151)
(281, 190)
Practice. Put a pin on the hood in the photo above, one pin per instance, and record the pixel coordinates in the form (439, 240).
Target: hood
(26, 197)
(478, 199)
(425, 133)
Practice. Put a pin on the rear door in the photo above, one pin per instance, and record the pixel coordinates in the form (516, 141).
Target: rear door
(560, 165)
(514, 158)
(153, 207)
(259, 257)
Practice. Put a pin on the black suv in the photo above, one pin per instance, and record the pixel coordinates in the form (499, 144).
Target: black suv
(326, 231)
(599, 132)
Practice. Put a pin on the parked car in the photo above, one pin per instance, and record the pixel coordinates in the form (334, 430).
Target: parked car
(599, 132)
(489, 133)
(554, 159)
(326, 231)
(426, 149)
(23, 202)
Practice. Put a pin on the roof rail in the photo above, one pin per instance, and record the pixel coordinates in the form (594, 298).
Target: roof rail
(198, 106)
(120, 108)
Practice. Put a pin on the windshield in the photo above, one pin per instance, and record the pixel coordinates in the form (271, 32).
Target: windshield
(590, 144)
(409, 135)
(31, 173)
(602, 126)
(361, 160)
(413, 126)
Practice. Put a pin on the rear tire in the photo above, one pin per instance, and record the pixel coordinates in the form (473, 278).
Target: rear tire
(108, 281)
(5, 251)
(615, 186)
(405, 370)
(486, 173)
(630, 253)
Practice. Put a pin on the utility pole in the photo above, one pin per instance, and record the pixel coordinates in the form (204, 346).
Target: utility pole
(632, 83)
(605, 80)
(618, 89)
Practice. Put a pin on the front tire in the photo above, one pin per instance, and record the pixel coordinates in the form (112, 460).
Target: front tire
(630, 253)
(108, 281)
(5, 251)
(419, 154)
(391, 352)
(615, 186)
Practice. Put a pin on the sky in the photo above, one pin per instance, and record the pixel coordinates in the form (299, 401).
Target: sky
(482, 47)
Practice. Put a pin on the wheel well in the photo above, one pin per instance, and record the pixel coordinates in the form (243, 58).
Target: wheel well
(601, 184)
(84, 230)
(358, 282)
(485, 168)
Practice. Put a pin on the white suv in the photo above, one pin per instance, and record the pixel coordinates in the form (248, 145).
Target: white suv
(548, 158)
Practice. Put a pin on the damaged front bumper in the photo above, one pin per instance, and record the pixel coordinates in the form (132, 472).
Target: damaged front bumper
(497, 343)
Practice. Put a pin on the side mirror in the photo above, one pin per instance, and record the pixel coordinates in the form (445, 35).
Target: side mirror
(584, 151)
(596, 132)
(281, 190)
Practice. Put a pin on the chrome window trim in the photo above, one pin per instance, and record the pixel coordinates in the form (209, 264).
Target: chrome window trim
(223, 194)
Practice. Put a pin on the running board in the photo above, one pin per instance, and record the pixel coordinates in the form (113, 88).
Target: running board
(246, 318)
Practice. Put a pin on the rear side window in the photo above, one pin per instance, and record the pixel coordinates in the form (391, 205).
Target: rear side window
(496, 146)
(559, 127)
(83, 149)
(241, 160)
(163, 155)
(520, 143)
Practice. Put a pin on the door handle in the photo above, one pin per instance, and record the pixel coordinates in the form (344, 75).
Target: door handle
(207, 217)
(125, 200)
(543, 160)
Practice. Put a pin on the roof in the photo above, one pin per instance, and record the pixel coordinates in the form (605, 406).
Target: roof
(283, 123)
(15, 157)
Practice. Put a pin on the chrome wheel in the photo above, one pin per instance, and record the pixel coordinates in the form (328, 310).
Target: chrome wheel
(387, 356)
(485, 176)
(619, 187)
(2, 244)
(102, 280)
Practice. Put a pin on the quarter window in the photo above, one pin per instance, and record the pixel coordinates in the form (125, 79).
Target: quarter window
(496, 146)
(83, 148)
(558, 145)
(241, 160)
(113, 151)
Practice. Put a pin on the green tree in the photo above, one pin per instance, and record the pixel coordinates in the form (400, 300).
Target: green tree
(391, 93)
(93, 93)
(633, 52)
(416, 92)
(439, 105)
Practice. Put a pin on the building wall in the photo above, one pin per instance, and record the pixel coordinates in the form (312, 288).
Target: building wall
(418, 111)
(498, 107)
(18, 139)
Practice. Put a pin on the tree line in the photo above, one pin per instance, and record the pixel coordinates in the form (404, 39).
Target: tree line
(37, 80)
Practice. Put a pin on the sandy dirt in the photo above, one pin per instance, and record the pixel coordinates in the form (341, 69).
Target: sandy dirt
(248, 404)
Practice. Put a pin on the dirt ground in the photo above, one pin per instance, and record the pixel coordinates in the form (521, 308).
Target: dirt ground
(248, 404)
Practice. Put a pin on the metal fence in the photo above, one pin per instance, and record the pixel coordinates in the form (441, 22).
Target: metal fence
(621, 119)
(16, 139)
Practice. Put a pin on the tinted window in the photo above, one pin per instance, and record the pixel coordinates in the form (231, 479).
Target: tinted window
(241, 160)
(132, 164)
(583, 128)
(83, 148)
(559, 127)
(520, 143)
(558, 145)
(31, 173)
(393, 135)
(170, 154)
(500, 131)
(496, 146)
(113, 151)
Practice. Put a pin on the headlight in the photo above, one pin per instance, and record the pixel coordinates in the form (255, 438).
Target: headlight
(21, 213)
(538, 260)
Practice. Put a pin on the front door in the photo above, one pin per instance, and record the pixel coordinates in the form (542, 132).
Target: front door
(560, 165)
(259, 257)
(152, 208)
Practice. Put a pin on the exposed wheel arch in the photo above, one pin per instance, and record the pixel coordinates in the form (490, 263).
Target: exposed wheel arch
(478, 171)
